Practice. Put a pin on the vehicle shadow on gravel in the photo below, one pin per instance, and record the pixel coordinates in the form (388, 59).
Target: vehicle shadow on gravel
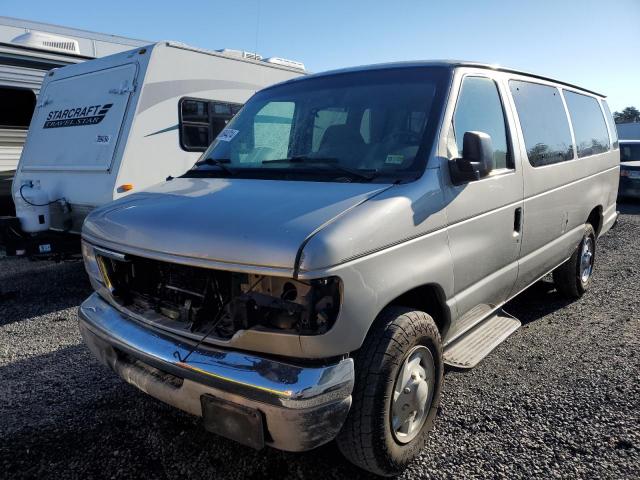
(40, 288)
(536, 302)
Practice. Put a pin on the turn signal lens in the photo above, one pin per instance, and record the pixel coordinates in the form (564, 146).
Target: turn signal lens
(91, 263)
(125, 187)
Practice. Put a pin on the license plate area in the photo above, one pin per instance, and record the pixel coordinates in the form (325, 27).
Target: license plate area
(230, 420)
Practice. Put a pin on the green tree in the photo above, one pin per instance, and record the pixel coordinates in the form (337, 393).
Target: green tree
(628, 115)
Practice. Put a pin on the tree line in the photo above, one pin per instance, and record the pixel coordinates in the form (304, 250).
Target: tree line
(628, 115)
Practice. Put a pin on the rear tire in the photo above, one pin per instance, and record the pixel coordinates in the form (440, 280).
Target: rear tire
(391, 416)
(572, 278)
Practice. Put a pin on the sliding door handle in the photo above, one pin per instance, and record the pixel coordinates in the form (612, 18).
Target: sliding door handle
(517, 221)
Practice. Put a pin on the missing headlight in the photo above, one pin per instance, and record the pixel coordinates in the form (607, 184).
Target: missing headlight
(216, 302)
(307, 308)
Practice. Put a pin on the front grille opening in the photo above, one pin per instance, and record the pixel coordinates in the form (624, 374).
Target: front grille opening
(197, 300)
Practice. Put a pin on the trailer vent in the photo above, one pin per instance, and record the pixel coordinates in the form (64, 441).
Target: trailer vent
(47, 41)
(70, 46)
(240, 53)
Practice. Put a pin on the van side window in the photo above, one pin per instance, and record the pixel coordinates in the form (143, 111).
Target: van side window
(544, 122)
(589, 126)
(202, 120)
(613, 132)
(479, 108)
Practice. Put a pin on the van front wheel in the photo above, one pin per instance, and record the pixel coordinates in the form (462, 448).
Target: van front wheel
(399, 372)
(572, 277)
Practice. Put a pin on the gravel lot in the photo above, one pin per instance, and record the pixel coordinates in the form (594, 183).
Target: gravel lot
(560, 398)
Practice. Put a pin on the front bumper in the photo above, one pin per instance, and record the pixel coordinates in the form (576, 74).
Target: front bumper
(301, 407)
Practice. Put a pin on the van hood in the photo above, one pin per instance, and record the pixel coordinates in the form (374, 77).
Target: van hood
(239, 221)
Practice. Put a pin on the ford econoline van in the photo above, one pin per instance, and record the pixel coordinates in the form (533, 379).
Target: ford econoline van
(343, 238)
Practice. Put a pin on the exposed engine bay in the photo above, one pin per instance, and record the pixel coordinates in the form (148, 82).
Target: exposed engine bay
(220, 303)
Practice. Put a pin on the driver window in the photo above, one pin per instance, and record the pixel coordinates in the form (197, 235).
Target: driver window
(479, 109)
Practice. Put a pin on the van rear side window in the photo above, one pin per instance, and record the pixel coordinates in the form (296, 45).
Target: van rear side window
(589, 127)
(544, 122)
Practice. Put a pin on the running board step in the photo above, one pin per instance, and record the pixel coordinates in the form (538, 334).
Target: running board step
(468, 350)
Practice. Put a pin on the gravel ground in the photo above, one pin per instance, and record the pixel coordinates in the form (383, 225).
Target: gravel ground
(560, 398)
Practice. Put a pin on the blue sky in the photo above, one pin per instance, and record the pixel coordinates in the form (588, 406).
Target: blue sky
(593, 43)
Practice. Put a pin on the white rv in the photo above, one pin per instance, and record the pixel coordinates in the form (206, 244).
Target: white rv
(28, 50)
(116, 125)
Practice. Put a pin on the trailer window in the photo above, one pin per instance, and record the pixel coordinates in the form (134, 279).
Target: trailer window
(544, 122)
(17, 108)
(589, 126)
(202, 120)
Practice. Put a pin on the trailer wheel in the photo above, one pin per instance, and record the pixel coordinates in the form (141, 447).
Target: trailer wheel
(399, 373)
(572, 278)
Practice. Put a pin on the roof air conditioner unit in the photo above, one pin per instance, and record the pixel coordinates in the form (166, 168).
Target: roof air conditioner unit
(46, 41)
(240, 53)
(285, 62)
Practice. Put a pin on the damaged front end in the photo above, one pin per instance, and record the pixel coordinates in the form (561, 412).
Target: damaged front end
(211, 302)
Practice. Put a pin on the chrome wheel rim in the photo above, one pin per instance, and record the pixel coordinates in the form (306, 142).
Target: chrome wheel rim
(586, 260)
(412, 394)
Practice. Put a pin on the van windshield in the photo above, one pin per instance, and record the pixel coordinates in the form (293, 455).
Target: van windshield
(365, 126)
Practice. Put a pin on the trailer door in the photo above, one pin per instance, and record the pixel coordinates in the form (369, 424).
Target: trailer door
(79, 120)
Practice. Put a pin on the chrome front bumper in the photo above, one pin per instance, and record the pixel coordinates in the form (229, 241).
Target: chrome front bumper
(302, 406)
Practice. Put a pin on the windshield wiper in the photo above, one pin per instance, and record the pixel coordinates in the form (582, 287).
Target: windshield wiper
(327, 161)
(217, 162)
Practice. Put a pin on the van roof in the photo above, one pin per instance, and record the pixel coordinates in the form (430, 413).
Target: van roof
(448, 64)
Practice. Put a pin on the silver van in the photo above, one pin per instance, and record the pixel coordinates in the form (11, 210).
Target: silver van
(344, 237)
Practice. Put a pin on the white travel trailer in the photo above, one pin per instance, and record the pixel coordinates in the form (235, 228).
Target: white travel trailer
(115, 125)
(28, 50)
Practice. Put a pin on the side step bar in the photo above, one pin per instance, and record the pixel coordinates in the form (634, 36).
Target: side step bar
(468, 350)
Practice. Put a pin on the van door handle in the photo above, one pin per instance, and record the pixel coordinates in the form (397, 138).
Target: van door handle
(517, 222)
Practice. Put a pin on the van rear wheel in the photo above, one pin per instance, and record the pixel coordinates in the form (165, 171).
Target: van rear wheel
(572, 278)
(399, 373)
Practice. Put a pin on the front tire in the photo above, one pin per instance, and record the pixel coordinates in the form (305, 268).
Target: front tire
(572, 278)
(399, 373)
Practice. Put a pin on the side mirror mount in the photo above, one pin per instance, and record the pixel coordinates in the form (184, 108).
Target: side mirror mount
(476, 161)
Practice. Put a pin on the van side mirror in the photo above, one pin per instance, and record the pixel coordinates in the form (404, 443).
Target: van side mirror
(476, 161)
